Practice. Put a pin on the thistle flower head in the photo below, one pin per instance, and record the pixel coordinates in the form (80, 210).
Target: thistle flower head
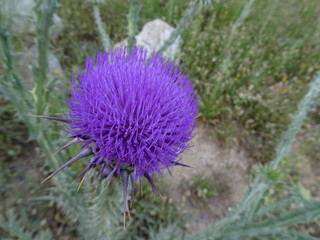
(134, 114)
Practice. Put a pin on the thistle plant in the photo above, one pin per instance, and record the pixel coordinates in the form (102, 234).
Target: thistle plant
(132, 114)
(183, 22)
(104, 37)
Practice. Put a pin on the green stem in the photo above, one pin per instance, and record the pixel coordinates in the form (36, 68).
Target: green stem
(183, 22)
(234, 28)
(45, 10)
(284, 145)
(11, 84)
(289, 136)
(105, 39)
(133, 23)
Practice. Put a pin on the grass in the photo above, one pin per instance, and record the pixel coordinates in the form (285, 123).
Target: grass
(202, 188)
(251, 76)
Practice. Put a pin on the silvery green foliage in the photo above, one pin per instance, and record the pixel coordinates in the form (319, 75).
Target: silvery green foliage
(14, 228)
(304, 107)
(44, 11)
(133, 17)
(95, 211)
(171, 232)
(11, 84)
(96, 1)
(276, 225)
(105, 39)
(205, 3)
(182, 24)
(273, 221)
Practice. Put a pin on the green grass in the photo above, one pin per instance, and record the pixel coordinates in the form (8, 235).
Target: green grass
(203, 188)
(251, 75)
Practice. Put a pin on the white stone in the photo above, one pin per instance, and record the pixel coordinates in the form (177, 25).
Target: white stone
(23, 17)
(57, 27)
(153, 35)
(27, 60)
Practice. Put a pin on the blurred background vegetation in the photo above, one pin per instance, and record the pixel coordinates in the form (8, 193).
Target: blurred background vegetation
(250, 71)
(250, 61)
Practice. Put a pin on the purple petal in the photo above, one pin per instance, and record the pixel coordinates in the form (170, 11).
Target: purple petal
(83, 153)
(54, 118)
(150, 180)
(180, 164)
(75, 140)
(84, 171)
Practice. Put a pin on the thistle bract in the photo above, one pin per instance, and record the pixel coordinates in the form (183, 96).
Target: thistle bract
(134, 114)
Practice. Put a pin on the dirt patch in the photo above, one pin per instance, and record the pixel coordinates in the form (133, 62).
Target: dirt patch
(306, 159)
(215, 182)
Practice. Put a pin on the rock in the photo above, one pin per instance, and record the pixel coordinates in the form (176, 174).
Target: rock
(57, 27)
(29, 59)
(23, 17)
(153, 35)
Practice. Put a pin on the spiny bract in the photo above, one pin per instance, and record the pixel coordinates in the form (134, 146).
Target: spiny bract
(133, 113)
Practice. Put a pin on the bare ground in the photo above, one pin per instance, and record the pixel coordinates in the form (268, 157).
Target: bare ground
(226, 171)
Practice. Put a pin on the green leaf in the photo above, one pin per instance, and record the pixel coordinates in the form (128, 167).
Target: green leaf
(275, 225)
(13, 227)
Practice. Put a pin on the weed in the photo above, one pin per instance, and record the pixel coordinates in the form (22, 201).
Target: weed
(202, 187)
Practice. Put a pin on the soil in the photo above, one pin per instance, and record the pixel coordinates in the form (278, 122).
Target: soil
(226, 171)
(306, 159)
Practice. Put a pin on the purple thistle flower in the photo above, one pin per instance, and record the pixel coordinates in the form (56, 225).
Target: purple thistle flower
(134, 114)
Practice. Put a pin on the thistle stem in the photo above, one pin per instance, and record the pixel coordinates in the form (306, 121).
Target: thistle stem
(183, 22)
(105, 39)
(133, 17)
(289, 136)
(45, 11)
